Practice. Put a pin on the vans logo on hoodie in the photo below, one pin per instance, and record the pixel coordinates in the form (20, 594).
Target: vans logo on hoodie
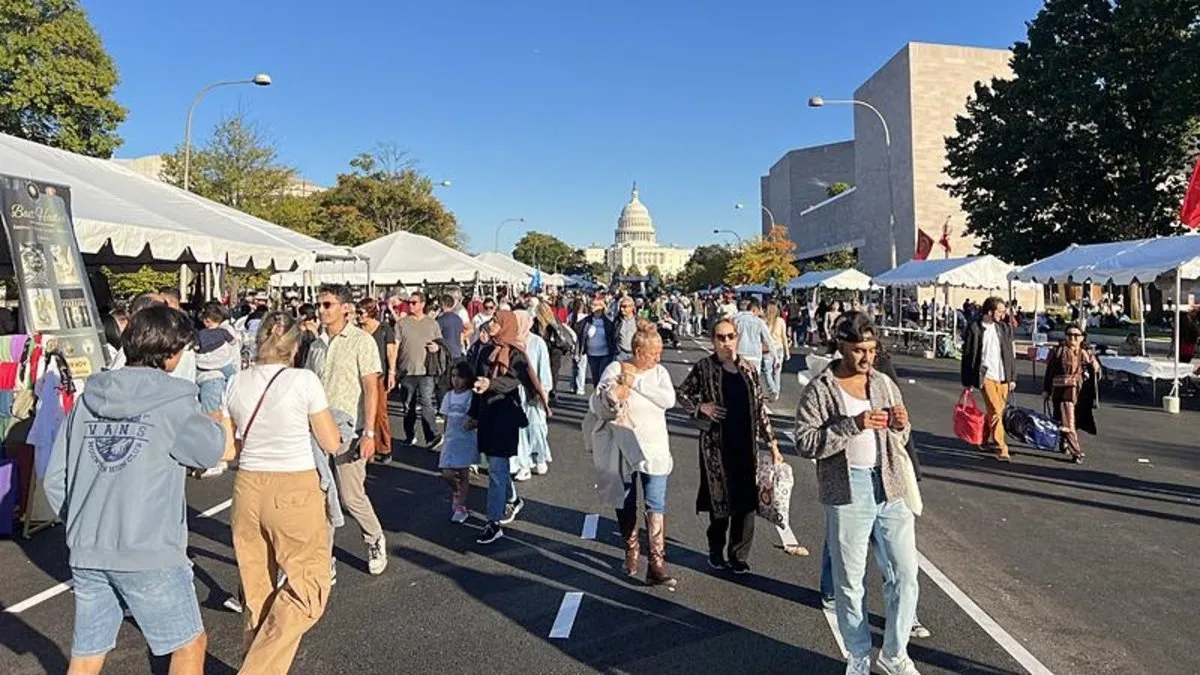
(113, 444)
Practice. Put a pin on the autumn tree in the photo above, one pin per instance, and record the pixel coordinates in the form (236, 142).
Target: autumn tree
(56, 79)
(764, 259)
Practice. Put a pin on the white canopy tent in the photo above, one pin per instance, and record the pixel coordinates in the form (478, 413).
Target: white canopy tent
(759, 289)
(398, 259)
(1073, 263)
(519, 270)
(122, 217)
(837, 280)
(982, 272)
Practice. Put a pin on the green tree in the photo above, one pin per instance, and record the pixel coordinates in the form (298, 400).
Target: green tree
(547, 251)
(1092, 138)
(654, 273)
(837, 188)
(56, 79)
(838, 260)
(633, 271)
(705, 268)
(237, 166)
(618, 272)
(386, 190)
(146, 279)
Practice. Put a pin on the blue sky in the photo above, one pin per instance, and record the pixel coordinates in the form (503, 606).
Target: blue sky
(542, 109)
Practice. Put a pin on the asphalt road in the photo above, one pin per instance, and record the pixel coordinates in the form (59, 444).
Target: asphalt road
(1089, 568)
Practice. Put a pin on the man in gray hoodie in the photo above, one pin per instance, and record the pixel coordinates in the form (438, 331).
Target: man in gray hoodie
(116, 478)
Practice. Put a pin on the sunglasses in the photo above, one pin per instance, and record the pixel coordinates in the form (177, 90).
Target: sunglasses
(1074, 335)
(725, 337)
(330, 305)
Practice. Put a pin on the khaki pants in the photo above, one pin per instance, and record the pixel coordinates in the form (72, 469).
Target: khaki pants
(352, 491)
(279, 523)
(995, 397)
(383, 424)
(1070, 435)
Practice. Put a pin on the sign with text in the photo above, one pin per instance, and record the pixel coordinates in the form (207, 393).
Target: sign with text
(56, 300)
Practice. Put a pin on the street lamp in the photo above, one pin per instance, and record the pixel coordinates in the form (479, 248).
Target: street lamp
(504, 222)
(444, 183)
(739, 206)
(818, 102)
(259, 80)
(739, 237)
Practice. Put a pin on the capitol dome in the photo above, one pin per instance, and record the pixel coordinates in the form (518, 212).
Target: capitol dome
(635, 226)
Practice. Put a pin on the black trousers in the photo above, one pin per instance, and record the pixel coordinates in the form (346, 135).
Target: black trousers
(740, 530)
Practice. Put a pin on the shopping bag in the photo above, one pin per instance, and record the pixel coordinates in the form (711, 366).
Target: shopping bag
(968, 419)
(1032, 427)
(774, 489)
(908, 476)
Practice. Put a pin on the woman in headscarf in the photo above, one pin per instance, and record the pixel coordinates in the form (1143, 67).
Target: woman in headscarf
(503, 376)
(1070, 384)
(533, 452)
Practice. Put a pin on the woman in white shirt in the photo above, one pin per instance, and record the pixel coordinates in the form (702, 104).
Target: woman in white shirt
(636, 394)
(279, 518)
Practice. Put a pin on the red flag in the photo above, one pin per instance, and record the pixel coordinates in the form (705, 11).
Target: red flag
(924, 245)
(944, 242)
(1189, 213)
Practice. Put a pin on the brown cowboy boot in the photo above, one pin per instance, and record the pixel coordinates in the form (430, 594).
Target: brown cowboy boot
(656, 570)
(628, 522)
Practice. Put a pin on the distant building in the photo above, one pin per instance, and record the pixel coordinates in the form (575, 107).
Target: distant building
(919, 92)
(151, 166)
(635, 243)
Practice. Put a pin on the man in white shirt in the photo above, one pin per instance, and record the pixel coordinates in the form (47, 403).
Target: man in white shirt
(989, 363)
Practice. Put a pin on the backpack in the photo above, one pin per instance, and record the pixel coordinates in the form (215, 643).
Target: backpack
(560, 337)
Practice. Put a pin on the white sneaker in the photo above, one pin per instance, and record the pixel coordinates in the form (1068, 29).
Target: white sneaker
(377, 556)
(858, 666)
(522, 475)
(897, 666)
(460, 515)
(215, 471)
(233, 604)
(541, 469)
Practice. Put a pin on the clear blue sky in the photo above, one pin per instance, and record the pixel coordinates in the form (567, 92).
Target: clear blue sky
(546, 109)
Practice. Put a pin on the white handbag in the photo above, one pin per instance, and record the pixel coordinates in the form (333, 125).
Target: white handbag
(912, 491)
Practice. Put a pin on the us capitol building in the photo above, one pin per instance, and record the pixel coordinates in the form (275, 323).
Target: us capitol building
(636, 244)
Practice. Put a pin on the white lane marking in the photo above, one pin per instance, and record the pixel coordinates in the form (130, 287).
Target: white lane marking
(831, 619)
(566, 615)
(1006, 641)
(35, 600)
(590, 521)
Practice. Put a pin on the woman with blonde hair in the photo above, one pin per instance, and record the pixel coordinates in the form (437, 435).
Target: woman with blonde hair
(280, 521)
(559, 339)
(772, 365)
(635, 395)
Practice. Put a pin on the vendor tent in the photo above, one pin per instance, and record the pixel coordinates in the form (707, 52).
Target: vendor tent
(838, 280)
(1073, 264)
(759, 289)
(122, 217)
(983, 272)
(509, 264)
(397, 259)
(1147, 259)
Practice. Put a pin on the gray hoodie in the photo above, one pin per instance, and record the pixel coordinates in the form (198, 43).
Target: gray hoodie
(117, 470)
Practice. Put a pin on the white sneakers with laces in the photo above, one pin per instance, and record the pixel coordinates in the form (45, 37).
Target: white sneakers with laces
(898, 666)
(858, 666)
(377, 556)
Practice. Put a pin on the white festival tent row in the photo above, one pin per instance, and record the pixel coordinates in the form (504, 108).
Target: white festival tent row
(124, 218)
(837, 280)
(399, 259)
(520, 270)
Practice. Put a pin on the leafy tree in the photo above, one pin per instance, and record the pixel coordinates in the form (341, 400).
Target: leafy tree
(126, 285)
(654, 273)
(837, 188)
(618, 272)
(838, 260)
(1092, 139)
(56, 79)
(387, 191)
(633, 271)
(547, 251)
(301, 214)
(764, 259)
(705, 268)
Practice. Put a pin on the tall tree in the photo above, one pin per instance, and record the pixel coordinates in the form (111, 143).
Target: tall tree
(237, 166)
(387, 190)
(56, 79)
(1093, 137)
(764, 259)
(705, 268)
(548, 252)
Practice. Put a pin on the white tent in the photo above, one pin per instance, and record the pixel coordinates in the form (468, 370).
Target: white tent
(1147, 259)
(1073, 263)
(838, 280)
(982, 272)
(398, 259)
(753, 288)
(519, 270)
(121, 216)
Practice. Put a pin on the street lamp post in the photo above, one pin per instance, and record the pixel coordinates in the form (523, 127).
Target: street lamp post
(739, 206)
(735, 234)
(259, 80)
(442, 184)
(817, 102)
(504, 222)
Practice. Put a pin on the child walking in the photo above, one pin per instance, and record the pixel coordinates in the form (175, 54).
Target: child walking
(461, 450)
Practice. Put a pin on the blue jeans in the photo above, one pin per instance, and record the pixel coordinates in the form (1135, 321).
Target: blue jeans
(579, 374)
(850, 529)
(212, 385)
(654, 492)
(597, 364)
(163, 603)
(501, 490)
(770, 374)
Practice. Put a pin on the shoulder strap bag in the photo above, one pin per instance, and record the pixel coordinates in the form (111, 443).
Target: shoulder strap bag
(254, 415)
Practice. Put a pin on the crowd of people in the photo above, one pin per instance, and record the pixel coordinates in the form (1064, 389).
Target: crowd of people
(296, 397)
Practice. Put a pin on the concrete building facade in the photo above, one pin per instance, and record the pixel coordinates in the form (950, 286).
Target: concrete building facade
(919, 91)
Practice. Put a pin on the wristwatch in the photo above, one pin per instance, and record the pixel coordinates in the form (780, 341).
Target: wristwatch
(369, 434)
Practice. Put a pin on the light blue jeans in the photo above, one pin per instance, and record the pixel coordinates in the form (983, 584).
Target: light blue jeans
(654, 492)
(771, 365)
(500, 487)
(580, 374)
(851, 528)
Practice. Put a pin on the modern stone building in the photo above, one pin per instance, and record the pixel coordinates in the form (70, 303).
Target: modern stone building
(635, 243)
(919, 92)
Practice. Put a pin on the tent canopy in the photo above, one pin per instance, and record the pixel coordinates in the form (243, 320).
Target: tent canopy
(1150, 259)
(514, 267)
(121, 215)
(1073, 263)
(753, 288)
(983, 272)
(839, 280)
(397, 259)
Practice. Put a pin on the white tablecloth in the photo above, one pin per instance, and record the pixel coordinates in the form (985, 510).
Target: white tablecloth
(1143, 366)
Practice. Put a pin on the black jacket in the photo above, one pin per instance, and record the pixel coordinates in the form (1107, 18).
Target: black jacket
(498, 410)
(610, 333)
(972, 355)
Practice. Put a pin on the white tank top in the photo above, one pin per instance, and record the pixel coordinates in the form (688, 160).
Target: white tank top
(863, 451)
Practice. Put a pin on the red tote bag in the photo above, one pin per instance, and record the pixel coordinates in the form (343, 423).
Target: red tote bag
(968, 419)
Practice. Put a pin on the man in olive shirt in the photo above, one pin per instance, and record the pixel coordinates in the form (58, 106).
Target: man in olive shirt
(416, 334)
(350, 374)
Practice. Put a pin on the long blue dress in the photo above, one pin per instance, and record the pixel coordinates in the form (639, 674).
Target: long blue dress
(534, 444)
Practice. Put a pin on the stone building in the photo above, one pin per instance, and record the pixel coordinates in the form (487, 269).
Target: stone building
(919, 92)
(635, 243)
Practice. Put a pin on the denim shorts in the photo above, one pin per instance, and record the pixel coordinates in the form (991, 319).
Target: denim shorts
(163, 602)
